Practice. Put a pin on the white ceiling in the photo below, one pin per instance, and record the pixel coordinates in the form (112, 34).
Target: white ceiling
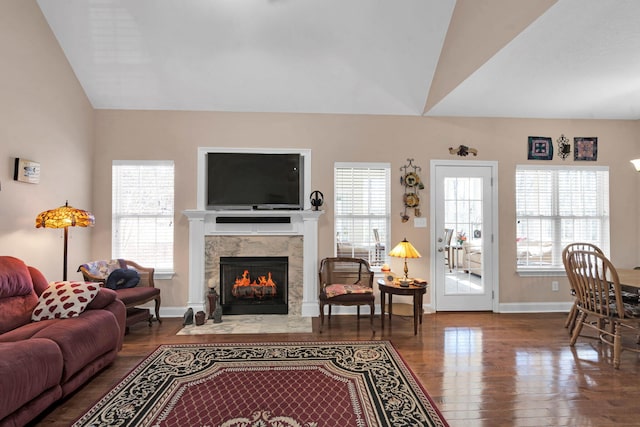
(564, 59)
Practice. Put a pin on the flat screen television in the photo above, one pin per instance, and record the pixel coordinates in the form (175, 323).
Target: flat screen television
(254, 181)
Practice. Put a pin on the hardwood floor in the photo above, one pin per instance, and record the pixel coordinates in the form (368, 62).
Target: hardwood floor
(481, 369)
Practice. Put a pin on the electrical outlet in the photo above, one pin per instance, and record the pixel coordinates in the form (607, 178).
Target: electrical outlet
(554, 286)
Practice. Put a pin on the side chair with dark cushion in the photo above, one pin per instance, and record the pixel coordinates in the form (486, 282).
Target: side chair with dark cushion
(132, 297)
(348, 282)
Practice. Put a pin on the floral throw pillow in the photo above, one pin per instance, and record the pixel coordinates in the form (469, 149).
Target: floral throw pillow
(62, 300)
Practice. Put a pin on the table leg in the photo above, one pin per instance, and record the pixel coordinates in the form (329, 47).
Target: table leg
(382, 299)
(390, 308)
(415, 314)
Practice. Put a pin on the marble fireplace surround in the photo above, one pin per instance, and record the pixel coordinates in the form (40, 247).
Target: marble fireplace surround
(250, 233)
(248, 246)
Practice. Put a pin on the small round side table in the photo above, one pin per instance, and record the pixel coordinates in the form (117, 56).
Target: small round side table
(391, 288)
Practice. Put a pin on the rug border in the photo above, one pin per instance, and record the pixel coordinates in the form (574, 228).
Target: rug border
(417, 380)
(404, 366)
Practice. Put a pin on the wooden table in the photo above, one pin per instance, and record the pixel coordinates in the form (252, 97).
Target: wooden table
(392, 289)
(629, 278)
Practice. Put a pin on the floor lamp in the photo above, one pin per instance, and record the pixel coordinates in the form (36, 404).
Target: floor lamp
(64, 217)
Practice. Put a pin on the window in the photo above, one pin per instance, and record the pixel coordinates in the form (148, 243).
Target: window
(362, 210)
(556, 206)
(142, 217)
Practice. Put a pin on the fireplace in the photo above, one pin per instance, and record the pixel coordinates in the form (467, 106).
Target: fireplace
(210, 239)
(254, 285)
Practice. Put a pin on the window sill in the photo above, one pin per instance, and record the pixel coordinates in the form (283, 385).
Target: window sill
(536, 272)
(163, 275)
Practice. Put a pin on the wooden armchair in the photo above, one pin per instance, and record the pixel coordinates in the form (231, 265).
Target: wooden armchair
(143, 292)
(345, 281)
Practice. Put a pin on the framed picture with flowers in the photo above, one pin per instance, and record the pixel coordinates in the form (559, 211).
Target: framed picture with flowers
(585, 148)
(540, 148)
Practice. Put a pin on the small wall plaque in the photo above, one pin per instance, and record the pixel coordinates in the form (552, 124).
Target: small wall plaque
(540, 148)
(585, 149)
(26, 171)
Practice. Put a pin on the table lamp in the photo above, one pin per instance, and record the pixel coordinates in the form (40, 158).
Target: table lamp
(64, 217)
(405, 250)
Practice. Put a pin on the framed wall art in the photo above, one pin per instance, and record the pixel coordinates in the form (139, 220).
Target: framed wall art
(585, 148)
(540, 148)
(26, 171)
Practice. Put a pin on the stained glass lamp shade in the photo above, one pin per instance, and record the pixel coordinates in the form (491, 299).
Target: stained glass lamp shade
(64, 217)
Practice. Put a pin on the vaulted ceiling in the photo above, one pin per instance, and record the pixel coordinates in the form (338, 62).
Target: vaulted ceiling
(476, 58)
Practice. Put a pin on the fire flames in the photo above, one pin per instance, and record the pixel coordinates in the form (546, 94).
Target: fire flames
(263, 286)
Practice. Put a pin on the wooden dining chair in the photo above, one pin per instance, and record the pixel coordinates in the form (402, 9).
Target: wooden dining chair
(598, 295)
(577, 246)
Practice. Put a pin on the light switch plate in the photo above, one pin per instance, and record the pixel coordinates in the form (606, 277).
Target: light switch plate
(420, 222)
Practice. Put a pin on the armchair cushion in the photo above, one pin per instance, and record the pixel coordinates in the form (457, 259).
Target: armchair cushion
(335, 289)
(63, 300)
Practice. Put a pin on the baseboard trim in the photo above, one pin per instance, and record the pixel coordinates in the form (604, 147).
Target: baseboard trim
(312, 311)
(535, 307)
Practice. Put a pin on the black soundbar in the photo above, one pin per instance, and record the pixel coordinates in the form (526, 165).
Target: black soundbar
(253, 220)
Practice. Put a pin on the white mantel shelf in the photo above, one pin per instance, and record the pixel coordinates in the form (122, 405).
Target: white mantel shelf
(253, 222)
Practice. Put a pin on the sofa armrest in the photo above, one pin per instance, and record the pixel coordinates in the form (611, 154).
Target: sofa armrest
(118, 309)
(107, 300)
(105, 297)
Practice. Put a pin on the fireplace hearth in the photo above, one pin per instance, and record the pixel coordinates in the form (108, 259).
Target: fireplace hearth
(254, 285)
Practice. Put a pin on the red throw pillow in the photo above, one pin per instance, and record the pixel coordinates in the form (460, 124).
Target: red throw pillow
(62, 300)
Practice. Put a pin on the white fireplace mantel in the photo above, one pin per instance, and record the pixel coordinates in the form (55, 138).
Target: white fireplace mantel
(204, 223)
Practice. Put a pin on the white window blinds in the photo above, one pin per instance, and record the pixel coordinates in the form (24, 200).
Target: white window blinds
(362, 210)
(142, 212)
(556, 206)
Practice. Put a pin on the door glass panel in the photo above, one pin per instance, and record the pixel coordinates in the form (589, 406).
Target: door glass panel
(464, 255)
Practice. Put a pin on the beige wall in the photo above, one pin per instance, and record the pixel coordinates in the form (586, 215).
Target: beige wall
(176, 135)
(46, 117)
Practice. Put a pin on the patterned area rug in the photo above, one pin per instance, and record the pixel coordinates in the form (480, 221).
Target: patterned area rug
(305, 384)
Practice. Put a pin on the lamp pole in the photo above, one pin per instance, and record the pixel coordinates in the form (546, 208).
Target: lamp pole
(64, 264)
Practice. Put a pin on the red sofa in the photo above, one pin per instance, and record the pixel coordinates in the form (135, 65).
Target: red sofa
(43, 361)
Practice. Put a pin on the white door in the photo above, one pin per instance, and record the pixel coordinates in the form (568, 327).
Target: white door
(464, 199)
